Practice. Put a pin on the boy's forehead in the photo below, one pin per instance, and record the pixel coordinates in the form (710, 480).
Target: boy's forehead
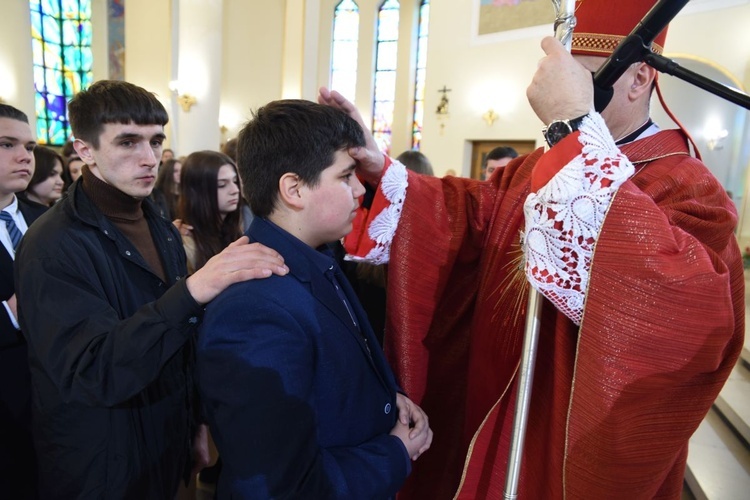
(16, 129)
(116, 129)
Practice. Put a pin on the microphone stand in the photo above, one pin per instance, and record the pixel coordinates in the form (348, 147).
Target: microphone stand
(636, 47)
(668, 66)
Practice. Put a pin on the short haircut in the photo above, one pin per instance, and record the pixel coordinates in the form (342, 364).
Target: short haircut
(416, 161)
(502, 152)
(8, 111)
(111, 101)
(290, 136)
(44, 165)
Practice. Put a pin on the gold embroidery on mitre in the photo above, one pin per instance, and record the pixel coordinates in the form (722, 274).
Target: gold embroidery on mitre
(602, 43)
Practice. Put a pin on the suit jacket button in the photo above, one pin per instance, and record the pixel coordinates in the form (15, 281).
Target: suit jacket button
(387, 408)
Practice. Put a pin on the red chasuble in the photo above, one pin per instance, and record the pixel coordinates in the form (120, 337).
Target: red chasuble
(615, 400)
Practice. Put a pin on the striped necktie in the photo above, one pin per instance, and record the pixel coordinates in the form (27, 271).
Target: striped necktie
(13, 231)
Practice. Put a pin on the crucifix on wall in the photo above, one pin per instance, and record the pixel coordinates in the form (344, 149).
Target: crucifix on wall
(442, 108)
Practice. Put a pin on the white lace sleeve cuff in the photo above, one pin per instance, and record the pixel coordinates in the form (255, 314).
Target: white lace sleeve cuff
(564, 218)
(383, 227)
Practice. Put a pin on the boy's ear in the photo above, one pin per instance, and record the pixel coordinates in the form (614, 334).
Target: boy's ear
(289, 190)
(85, 151)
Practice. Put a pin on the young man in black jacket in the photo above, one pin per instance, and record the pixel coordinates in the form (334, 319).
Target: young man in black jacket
(108, 316)
(17, 461)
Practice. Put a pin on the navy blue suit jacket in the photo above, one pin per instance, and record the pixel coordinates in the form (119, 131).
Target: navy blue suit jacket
(297, 406)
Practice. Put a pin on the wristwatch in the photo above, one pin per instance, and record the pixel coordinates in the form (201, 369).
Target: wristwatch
(559, 129)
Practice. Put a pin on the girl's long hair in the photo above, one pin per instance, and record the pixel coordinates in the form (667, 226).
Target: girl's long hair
(199, 207)
(166, 184)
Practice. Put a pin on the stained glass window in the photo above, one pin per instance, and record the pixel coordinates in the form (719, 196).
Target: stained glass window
(419, 79)
(385, 73)
(61, 44)
(344, 52)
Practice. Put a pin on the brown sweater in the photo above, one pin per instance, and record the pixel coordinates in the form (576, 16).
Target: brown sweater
(126, 213)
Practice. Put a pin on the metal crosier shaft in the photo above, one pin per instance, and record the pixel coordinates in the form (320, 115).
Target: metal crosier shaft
(565, 21)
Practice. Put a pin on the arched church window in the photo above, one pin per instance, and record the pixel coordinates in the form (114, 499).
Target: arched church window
(344, 51)
(62, 61)
(419, 77)
(385, 73)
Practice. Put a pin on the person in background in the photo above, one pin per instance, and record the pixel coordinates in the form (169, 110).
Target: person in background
(17, 457)
(166, 154)
(230, 149)
(110, 314)
(498, 157)
(300, 400)
(68, 151)
(167, 189)
(47, 184)
(209, 204)
(416, 161)
(73, 169)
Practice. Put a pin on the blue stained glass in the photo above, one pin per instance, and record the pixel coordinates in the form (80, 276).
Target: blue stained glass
(39, 79)
(37, 49)
(420, 75)
(36, 25)
(52, 55)
(51, 7)
(385, 73)
(87, 60)
(86, 32)
(61, 45)
(53, 80)
(71, 36)
(51, 29)
(344, 48)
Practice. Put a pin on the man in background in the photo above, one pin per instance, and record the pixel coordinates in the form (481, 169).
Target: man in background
(17, 459)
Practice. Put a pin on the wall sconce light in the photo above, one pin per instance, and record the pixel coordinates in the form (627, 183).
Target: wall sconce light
(715, 138)
(490, 117)
(186, 101)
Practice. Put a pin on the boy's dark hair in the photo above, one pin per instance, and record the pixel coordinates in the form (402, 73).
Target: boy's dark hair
(8, 111)
(502, 152)
(294, 136)
(111, 101)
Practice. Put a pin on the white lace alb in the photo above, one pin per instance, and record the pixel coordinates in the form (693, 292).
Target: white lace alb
(564, 218)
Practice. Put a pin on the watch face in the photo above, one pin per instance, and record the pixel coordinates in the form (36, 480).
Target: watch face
(556, 131)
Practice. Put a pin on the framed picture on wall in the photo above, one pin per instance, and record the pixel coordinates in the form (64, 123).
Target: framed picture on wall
(500, 20)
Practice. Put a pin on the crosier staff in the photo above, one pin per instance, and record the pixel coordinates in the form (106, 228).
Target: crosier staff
(565, 21)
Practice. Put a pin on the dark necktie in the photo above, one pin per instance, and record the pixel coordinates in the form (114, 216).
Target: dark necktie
(13, 231)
